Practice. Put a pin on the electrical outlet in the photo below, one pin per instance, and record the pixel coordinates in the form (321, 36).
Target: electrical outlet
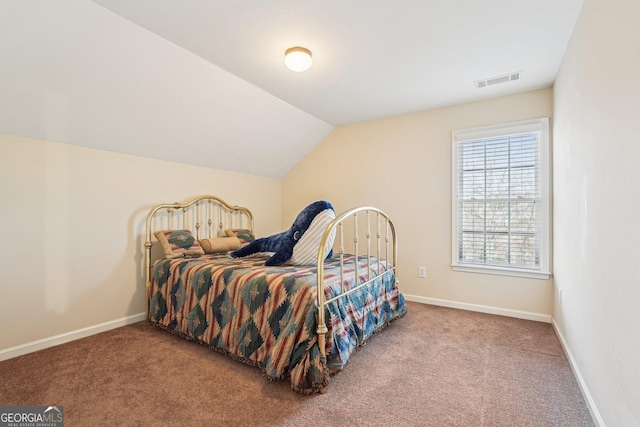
(560, 296)
(422, 272)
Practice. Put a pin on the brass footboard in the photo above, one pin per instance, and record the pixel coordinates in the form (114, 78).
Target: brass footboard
(384, 229)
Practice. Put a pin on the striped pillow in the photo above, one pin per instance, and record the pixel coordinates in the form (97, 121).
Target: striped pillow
(305, 252)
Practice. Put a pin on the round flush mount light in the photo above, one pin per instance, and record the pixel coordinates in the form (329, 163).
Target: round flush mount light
(297, 58)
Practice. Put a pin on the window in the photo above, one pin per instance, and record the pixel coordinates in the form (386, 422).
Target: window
(501, 192)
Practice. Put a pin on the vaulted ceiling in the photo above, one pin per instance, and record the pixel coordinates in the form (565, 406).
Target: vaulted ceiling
(203, 82)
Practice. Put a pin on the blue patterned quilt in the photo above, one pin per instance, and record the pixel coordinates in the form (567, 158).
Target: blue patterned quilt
(266, 316)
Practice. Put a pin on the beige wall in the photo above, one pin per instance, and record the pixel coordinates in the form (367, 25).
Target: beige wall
(72, 220)
(403, 166)
(597, 238)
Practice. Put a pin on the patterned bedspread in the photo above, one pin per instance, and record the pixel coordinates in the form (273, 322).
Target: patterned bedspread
(266, 316)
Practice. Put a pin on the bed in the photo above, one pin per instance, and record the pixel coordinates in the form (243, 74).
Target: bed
(296, 322)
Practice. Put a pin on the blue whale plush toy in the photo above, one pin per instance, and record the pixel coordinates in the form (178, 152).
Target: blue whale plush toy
(299, 244)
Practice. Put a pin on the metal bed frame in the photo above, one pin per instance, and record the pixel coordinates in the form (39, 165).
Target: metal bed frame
(208, 216)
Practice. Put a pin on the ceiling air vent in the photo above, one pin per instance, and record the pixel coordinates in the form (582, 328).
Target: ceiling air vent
(498, 79)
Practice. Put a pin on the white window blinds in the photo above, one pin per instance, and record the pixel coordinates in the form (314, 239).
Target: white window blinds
(498, 199)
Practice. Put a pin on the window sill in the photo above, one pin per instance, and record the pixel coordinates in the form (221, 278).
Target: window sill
(501, 271)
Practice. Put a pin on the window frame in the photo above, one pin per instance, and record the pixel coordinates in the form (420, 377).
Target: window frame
(540, 125)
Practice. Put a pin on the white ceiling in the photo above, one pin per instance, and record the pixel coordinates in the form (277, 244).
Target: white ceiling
(372, 59)
(202, 81)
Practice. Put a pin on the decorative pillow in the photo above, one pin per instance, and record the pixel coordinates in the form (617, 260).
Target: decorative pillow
(178, 243)
(219, 244)
(244, 235)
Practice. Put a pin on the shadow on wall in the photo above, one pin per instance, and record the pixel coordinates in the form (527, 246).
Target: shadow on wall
(136, 230)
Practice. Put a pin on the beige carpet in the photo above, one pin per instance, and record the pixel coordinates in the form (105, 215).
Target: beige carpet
(435, 367)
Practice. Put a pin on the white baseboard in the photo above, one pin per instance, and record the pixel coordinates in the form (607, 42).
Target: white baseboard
(527, 315)
(30, 347)
(595, 414)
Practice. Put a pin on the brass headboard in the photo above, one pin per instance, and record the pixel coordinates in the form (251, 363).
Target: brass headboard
(205, 216)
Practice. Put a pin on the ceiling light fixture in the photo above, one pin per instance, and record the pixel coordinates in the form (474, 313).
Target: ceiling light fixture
(297, 58)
